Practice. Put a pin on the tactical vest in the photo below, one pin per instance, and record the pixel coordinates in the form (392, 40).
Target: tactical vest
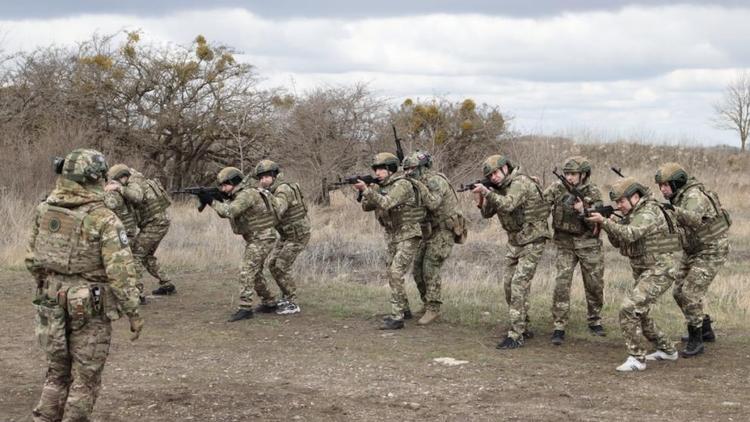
(63, 245)
(535, 209)
(695, 239)
(566, 219)
(155, 200)
(663, 241)
(254, 220)
(404, 214)
(297, 210)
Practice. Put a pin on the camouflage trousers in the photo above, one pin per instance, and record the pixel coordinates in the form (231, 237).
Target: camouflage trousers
(430, 257)
(400, 258)
(74, 373)
(591, 260)
(694, 276)
(144, 247)
(251, 273)
(280, 264)
(518, 270)
(652, 279)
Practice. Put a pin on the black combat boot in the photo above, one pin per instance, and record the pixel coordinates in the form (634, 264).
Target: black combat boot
(708, 333)
(164, 289)
(267, 308)
(389, 323)
(597, 330)
(408, 314)
(695, 342)
(510, 343)
(557, 337)
(241, 314)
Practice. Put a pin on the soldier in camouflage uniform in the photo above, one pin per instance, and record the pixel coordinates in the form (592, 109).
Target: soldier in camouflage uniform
(79, 255)
(577, 242)
(399, 210)
(294, 230)
(522, 210)
(150, 201)
(647, 236)
(122, 208)
(251, 213)
(704, 226)
(443, 223)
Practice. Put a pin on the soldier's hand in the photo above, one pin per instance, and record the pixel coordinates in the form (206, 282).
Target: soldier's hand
(480, 189)
(112, 185)
(578, 205)
(595, 217)
(136, 325)
(360, 186)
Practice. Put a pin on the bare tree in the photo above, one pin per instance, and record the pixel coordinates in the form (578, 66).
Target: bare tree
(733, 111)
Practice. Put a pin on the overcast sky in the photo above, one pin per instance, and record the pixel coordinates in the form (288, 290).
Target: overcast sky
(648, 70)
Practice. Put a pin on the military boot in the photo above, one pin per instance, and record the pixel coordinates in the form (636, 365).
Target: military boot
(164, 289)
(241, 314)
(557, 337)
(597, 330)
(408, 314)
(390, 323)
(510, 343)
(428, 317)
(695, 342)
(708, 333)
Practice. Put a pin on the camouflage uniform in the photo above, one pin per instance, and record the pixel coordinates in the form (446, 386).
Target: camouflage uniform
(294, 230)
(443, 216)
(576, 242)
(78, 252)
(647, 238)
(124, 211)
(522, 211)
(397, 208)
(251, 213)
(150, 202)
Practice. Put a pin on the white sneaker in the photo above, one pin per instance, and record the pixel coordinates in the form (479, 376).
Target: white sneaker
(662, 355)
(288, 309)
(631, 365)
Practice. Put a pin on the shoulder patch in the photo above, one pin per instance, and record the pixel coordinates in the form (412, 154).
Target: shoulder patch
(123, 238)
(433, 184)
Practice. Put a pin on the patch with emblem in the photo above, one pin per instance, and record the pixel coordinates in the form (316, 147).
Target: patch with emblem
(123, 238)
(433, 185)
(54, 224)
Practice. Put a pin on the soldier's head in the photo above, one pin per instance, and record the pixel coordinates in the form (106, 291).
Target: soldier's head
(577, 170)
(228, 179)
(266, 172)
(626, 193)
(85, 167)
(496, 168)
(119, 172)
(670, 177)
(415, 163)
(384, 164)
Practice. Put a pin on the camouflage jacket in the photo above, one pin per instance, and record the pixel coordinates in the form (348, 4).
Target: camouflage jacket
(397, 207)
(439, 198)
(647, 230)
(147, 197)
(290, 207)
(704, 222)
(250, 212)
(569, 226)
(75, 237)
(521, 208)
(125, 212)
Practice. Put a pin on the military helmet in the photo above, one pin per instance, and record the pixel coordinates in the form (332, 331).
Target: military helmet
(117, 171)
(671, 172)
(84, 166)
(266, 166)
(494, 162)
(577, 164)
(625, 187)
(385, 160)
(230, 175)
(417, 159)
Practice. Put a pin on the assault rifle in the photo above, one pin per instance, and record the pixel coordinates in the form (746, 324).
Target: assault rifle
(574, 193)
(399, 148)
(471, 185)
(350, 180)
(202, 192)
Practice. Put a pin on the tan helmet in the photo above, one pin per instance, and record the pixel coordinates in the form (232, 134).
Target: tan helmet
(671, 172)
(386, 160)
(117, 171)
(577, 164)
(625, 187)
(230, 175)
(266, 166)
(492, 163)
(417, 159)
(84, 166)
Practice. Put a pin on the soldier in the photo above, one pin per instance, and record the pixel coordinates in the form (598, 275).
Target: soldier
(251, 213)
(645, 235)
(150, 201)
(399, 210)
(577, 242)
(122, 208)
(294, 230)
(705, 225)
(442, 225)
(85, 273)
(520, 206)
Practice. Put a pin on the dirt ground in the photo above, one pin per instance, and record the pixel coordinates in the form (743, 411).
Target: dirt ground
(192, 365)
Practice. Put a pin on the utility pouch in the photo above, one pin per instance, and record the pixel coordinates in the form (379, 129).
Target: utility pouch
(80, 306)
(49, 327)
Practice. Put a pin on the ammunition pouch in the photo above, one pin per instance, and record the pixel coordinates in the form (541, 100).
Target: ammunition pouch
(50, 326)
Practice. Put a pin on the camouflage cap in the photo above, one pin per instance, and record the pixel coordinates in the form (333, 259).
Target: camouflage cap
(625, 187)
(417, 159)
(84, 166)
(577, 164)
(492, 163)
(385, 159)
(266, 166)
(231, 175)
(670, 172)
(117, 171)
